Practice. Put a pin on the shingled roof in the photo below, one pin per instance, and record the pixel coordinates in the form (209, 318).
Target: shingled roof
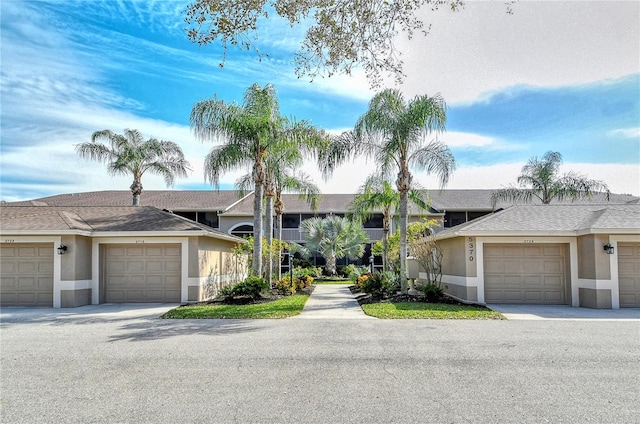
(95, 219)
(175, 200)
(231, 202)
(553, 220)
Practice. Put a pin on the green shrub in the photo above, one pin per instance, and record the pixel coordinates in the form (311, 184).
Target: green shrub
(310, 271)
(378, 285)
(432, 292)
(250, 288)
(226, 293)
(286, 287)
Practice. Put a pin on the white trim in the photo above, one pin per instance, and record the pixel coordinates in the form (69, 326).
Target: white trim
(75, 284)
(237, 201)
(240, 224)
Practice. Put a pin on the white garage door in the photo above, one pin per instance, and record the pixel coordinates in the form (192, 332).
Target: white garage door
(629, 274)
(26, 274)
(525, 273)
(141, 273)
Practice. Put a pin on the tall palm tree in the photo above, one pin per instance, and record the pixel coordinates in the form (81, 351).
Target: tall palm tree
(129, 153)
(247, 133)
(287, 179)
(393, 132)
(250, 133)
(539, 179)
(281, 164)
(378, 193)
(334, 238)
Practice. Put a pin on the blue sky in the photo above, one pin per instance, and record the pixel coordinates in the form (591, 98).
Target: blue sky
(561, 76)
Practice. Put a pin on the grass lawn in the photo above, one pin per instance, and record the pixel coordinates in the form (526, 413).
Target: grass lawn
(275, 309)
(419, 310)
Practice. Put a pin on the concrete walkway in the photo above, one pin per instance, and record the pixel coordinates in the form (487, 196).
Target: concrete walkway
(332, 301)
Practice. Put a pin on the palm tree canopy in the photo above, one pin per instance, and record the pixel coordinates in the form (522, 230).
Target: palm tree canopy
(334, 236)
(377, 193)
(129, 153)
(539, 179)
(393, 132)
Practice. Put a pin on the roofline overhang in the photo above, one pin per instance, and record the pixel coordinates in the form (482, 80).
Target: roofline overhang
(5, 233)
(237, 201)
(533, 233)
(103, 234)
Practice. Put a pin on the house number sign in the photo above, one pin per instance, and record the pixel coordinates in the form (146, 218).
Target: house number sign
(471, 247)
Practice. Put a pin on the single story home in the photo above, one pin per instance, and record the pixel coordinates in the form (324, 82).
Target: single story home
(68, 256)
(578, 255)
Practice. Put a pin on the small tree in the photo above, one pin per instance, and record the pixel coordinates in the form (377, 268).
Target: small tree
(334, 238)
(429, 255)
(415, 231)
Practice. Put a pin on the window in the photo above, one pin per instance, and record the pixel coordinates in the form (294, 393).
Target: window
(290, 220)
(243, 231)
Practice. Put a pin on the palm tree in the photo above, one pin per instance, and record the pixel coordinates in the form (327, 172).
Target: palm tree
(539, 179)
(280, 175)
(393, 132)
(248, 132)
(334, 238)
(130, 154)
(377, 193)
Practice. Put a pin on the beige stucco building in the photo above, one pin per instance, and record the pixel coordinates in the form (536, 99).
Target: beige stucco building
(73, 256)
(578, 255)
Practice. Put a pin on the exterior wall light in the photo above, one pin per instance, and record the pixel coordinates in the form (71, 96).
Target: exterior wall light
(62, 249)
(609, 249)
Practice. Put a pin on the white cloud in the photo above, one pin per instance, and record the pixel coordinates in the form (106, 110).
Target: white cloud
(483, 49)
(467, 140)
(626, 133)
(348, 178)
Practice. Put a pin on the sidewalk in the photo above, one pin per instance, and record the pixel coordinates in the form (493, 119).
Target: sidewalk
(332, 301)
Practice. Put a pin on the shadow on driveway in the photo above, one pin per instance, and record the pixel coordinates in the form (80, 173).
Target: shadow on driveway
(133, 322)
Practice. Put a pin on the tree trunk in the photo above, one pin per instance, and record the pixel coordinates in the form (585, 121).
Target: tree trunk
(404, 185)
(279, 224)
(386, 219)
(136, 191)
(279, 208)
(403, 242)
(257, 230)
(269, 233)
(331, 265)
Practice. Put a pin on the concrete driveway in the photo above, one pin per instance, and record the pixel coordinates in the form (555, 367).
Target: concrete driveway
(542, 312)
(121, 364)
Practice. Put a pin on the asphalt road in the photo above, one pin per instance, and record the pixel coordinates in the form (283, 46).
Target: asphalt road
(123, 365)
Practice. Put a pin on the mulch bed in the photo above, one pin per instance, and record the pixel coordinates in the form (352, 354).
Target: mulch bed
(264, 298)
(364, 298)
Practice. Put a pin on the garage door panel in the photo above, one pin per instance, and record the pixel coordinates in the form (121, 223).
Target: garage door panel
(135, 251)
(26, 274)
(629, 274)
(553, 267)
(532, 267)
(148, 273)
(173, 266)
(553, 251)
(531, 251)
(154, 266)
(533, 274)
